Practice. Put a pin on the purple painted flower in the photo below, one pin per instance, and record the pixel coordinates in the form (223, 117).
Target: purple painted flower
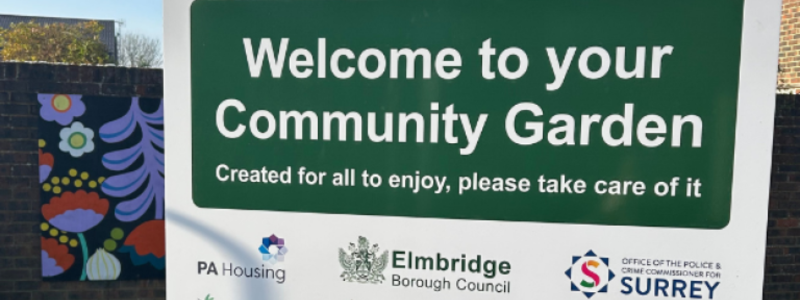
(61, 108)
(75, 212)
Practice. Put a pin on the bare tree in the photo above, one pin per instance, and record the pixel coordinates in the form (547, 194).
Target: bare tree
(139, 51)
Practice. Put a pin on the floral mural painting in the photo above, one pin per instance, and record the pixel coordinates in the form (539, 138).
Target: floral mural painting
(99, 155)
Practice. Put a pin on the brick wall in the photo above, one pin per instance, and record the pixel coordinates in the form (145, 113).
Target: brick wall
(789, 61)
(20, 256)
(782, 264)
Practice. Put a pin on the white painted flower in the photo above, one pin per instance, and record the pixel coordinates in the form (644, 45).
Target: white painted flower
(103, 266)
(76, 139)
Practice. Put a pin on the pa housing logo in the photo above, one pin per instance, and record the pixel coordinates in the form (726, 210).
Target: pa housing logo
(273, 249)
(589, 274)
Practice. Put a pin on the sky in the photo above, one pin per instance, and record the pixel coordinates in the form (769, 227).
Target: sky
(140, 16)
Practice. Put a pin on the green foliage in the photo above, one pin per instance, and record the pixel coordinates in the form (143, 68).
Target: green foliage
(2, 41)
(59, 42)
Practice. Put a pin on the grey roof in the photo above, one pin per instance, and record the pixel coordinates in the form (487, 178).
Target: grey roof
(107, 36)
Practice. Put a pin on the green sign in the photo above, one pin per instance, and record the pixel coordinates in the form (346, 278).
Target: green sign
(485, 110)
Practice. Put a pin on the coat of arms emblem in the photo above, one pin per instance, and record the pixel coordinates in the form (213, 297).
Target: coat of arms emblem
(362, 262)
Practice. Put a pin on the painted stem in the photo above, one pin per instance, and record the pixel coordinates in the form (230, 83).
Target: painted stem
(85, 255)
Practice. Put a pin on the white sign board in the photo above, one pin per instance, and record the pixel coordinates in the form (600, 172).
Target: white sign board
(616, 149)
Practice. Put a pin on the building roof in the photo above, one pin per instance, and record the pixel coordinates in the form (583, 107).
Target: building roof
(107, 36)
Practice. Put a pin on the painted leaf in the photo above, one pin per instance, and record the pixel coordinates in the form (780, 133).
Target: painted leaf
(151, 172)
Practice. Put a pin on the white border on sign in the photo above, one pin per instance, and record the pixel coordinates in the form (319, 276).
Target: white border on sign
(752, 162)
(743, 238)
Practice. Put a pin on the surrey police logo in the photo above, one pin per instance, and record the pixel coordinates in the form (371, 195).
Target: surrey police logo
(589, 274)
(362, 264)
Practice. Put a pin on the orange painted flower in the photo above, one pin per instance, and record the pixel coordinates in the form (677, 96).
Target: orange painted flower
(55, 258)
(146, 244)
(75, 212)
(46, 162)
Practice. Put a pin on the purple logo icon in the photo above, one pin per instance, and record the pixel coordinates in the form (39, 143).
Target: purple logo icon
(273, 249)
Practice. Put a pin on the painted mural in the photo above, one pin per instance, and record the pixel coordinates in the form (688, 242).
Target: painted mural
(101, 174)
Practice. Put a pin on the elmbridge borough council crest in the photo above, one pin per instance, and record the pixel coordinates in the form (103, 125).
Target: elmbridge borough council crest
(361, 262)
